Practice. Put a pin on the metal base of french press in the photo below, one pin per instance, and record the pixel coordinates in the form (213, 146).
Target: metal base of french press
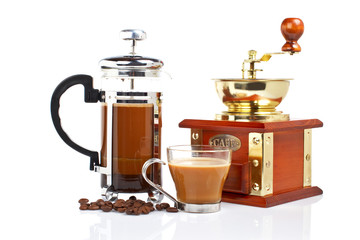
(155, 196)
(109, 194)
(275, 116)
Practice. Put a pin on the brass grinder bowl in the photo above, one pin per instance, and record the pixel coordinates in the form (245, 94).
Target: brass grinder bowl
(252, 96)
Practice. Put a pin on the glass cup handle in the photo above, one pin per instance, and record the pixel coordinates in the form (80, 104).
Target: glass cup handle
(157, 186)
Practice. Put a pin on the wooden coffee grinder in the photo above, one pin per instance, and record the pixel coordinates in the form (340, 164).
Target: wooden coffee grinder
(271, 161)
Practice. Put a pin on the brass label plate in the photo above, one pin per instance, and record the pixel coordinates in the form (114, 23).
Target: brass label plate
(225, 140)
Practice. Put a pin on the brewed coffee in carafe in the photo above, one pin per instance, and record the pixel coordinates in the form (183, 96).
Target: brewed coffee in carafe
(133, 137)
(135, 140)
(131, 98)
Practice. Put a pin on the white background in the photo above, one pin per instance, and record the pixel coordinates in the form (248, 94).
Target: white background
(43, 42)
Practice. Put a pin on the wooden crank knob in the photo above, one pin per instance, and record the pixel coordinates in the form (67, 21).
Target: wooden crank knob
(292, 29)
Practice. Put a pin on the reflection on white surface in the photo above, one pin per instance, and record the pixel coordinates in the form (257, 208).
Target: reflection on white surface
(116, 225)
(287, 221)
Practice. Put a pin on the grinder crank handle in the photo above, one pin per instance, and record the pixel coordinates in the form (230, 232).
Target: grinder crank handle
(91, 95)
(292, 29)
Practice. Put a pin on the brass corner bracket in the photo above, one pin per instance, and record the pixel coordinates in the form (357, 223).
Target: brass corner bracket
(261, 160)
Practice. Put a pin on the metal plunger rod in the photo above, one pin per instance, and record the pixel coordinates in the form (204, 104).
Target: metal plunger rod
(133, 45)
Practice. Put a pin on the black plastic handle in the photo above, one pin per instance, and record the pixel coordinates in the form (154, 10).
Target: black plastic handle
(91, 95)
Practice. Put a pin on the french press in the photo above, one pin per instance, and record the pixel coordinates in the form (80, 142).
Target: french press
(131, 98)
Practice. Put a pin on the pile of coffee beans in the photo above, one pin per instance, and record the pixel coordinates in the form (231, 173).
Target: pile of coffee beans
(132, 206)
(165, 206)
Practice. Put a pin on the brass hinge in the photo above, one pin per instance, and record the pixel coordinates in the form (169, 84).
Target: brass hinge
(261, 148)
(196, 137)
(307, 158)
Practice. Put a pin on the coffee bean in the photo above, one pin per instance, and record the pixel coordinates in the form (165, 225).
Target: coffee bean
(158, 207)
(121, 209)
(106, 208)
(93, 207)
(100, 202)
(145, 209)
(83, 207)
(120, 201)
(83, 200)
(172, 209)
(129, 211)
(128, 205)
(108, 203)
(132, 198)
(129, 202)
(137, 211)
(118, 204)
(137, 204)
(164, 205)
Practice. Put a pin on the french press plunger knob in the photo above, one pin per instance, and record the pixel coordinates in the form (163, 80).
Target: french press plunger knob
(133, 35)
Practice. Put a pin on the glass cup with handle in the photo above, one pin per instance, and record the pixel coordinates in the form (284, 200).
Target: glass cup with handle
(199, 173)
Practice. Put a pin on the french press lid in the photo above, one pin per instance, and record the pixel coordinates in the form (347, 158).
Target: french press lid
(131, 65)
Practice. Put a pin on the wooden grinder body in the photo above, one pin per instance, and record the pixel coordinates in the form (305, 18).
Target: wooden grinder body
(272, 165)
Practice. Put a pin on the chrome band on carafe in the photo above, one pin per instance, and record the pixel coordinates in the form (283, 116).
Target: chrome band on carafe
(133, 97)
